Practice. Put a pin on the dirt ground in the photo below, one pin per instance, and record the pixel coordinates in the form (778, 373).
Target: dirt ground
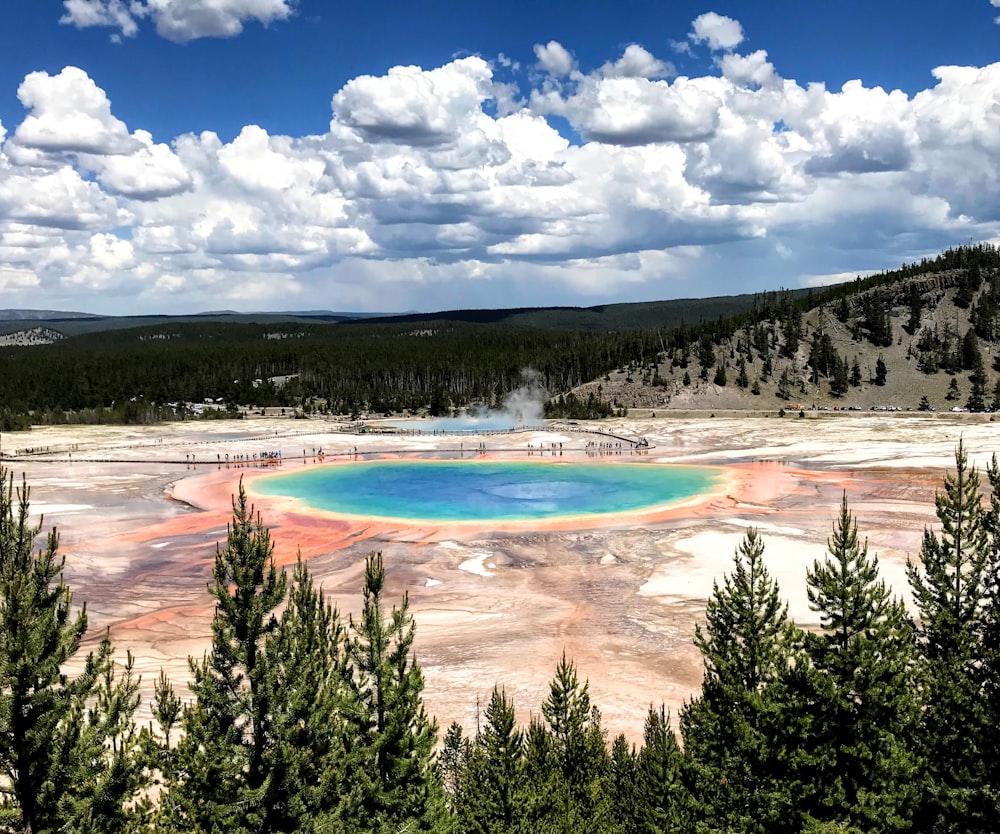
(140, 510)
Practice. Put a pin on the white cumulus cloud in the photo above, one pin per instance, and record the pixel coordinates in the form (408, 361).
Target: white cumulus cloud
(415, 106)
(554, 58)
(638, 62)
(115, 14)
(423, 191)
(176, 20)
(717, 30)
(69, 112)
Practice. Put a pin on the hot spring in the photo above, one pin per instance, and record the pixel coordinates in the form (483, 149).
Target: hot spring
(430, 490)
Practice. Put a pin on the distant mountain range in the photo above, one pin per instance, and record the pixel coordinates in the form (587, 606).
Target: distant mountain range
(42, 315)
(599, 318)
(75, 323)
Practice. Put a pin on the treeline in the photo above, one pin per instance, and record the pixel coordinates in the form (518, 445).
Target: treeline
(302, 722)
(340, 368)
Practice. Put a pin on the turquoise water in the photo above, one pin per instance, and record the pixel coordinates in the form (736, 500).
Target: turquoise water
(489, 490)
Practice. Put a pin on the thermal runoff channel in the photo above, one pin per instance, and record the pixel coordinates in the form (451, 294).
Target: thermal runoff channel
(488, 490)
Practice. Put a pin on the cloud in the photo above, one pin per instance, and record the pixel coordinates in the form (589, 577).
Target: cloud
(835, 278)
(424, 192)
(749, 70)
(112, 13)
(635, 111)
(179, 21)
(69, 112)
(12, 278)
(415, 106)
(637, 62)
(60, 199)
(149, 173)
(861, 130)
(554, 58)
(718, 31)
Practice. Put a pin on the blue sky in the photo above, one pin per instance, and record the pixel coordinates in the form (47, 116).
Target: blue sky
(177, 155)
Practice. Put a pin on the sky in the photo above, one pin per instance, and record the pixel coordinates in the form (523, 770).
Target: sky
(178, 156)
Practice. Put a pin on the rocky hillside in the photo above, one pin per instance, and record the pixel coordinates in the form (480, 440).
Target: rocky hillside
(933, 335)
(30, 336)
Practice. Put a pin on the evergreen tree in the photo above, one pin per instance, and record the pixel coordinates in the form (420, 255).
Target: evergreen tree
(768, 367)
(849, 712)
(792, 333)
(222, 761)
(544, 789)
(742, 378)
(720, 375)
(881, 372)
(977, 387)
(839, 382)
(971, 356)
(625, 794)
(855, 373)
(391, 739)
(784, 386)
(877, 320)
(915, 303)
(69, 750)
(454, 761)
(664, 802)
(706, 353)
(578, 795)
(305, 758)
(989, 654)
(745, 647)
(950, 591)
(491, 798)
(843, 310)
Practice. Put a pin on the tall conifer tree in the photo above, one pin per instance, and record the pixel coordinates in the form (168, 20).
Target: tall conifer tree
(850, 712)
(221, 762)
(492, 796)
(625, 785)
(950, 590)
(989, 667)
(663, 800)
(745, 647)
(391, 739)
(305, 759)
(69, 750)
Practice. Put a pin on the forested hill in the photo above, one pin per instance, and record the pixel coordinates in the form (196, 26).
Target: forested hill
(928, 330)
(922, 336)
(603, 317)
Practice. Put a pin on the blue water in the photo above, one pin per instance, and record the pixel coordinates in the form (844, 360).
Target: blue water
(458, 425)
(488, 490)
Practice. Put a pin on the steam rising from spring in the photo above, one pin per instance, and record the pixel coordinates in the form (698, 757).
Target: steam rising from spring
(525, 405)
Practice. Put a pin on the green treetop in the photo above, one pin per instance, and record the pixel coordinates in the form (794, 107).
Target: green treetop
(391, 738)
(221, 761)
(849, 710)
(949, 587)
(69, 751)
